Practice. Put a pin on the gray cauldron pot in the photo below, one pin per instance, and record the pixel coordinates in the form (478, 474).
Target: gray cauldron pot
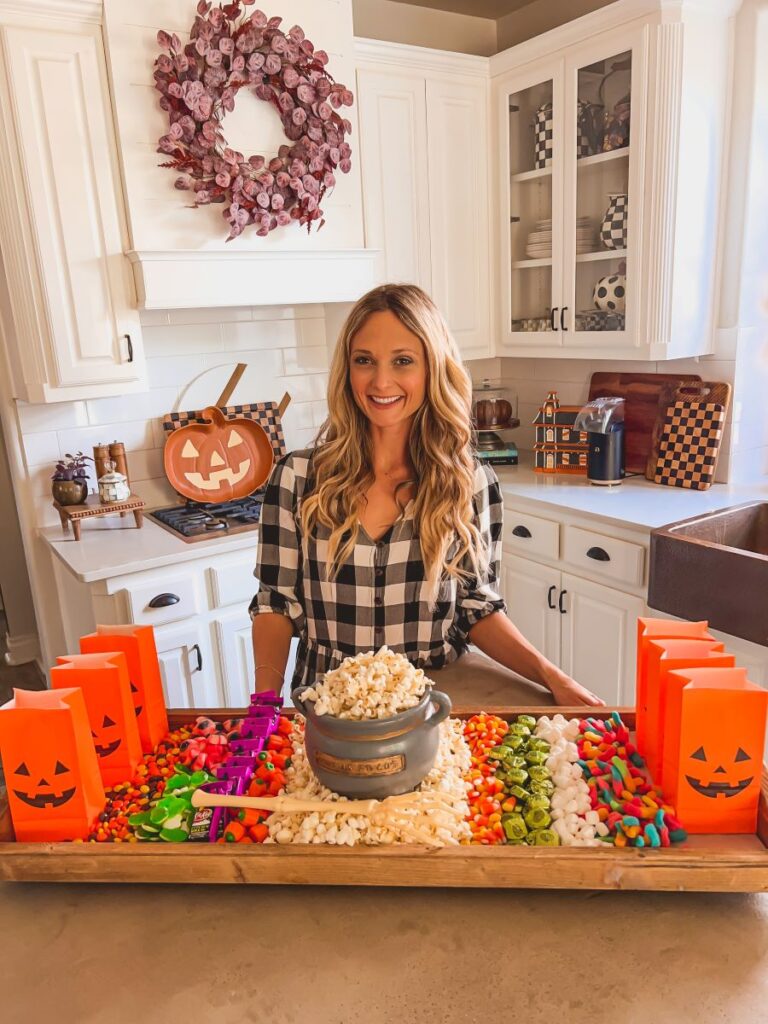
(378, 757)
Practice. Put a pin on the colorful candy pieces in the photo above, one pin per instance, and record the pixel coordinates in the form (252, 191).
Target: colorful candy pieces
(171, 817)
(633, 810)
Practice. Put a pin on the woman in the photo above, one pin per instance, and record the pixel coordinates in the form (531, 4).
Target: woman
(389, 531)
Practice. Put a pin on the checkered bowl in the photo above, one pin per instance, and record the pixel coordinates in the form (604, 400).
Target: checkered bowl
(378, 757)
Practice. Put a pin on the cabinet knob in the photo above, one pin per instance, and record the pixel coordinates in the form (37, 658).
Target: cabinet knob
(198, 652)
(550, 592)
(552, 315)
(599, 554)
(164, 600)
(521, 531)
(560, 602)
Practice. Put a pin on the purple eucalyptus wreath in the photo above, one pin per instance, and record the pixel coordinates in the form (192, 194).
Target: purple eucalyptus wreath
(227, 50)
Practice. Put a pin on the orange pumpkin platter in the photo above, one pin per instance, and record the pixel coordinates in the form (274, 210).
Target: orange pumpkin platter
(218, 460)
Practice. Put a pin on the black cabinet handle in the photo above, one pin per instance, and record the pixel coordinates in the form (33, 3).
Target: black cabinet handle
(550, 592)
(562, 319)
(599, 554)
(130, 347)
(164, 600)
(521, 531)
(560, 601)
(196, 647)
(552, 316)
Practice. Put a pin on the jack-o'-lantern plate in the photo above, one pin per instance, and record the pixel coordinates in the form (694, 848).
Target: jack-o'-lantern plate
(218, 460)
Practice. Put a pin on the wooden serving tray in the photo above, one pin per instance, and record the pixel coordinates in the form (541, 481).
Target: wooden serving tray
(701, 864)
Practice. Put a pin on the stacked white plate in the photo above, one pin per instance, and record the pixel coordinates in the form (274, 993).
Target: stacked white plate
(539, 244)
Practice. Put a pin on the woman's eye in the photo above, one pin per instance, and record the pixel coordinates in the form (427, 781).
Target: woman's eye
(361, 360)
(404, 361)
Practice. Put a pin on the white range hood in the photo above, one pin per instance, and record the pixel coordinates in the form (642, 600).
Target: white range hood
(177, 279)
(178, 253)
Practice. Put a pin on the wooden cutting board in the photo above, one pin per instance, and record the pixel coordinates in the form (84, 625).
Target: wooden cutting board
(641, 393)
(690, 420)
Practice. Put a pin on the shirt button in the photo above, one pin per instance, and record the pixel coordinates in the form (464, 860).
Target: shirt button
(379, 572)
(378, 601)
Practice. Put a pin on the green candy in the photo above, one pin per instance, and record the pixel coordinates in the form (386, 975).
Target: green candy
(513, 741)
(537, 817)
(517, 776)
(518, 792)
(537, 800)
(528, 720)
(542, 789)
(543, 837)
(519, 729)
(496, 754)
(514, 761)
(536, 744)
(537, 757)
(540, 773)
(514, 827)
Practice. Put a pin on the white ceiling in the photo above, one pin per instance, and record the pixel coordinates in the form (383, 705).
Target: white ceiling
(479, 8)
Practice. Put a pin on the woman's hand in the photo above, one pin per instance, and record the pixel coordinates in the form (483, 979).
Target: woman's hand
(568, 693)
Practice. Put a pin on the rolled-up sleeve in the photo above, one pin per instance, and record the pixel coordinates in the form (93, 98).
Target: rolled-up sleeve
(278, 556)
(478, 596)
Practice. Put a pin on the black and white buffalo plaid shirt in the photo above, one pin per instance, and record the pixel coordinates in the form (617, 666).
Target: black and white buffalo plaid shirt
(379, 596)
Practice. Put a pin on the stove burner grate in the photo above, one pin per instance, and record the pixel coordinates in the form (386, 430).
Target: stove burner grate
(195, 519)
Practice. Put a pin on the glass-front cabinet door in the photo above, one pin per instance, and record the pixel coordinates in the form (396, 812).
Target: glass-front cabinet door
(531, 123)
(601, 229)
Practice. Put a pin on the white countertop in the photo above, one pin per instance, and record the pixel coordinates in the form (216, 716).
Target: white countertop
(635, 502)
(112, 546)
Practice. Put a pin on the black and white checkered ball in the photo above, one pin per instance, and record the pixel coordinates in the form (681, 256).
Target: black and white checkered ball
(610, 293)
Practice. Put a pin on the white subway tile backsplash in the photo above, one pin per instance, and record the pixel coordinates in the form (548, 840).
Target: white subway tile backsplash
(311, 310)
(209, 316)
(319, 413)
(305, 360)
(145, 465)
(311, 333)
(299, 416)
(156, 492)
(259, 334)
(57, 416)
(120, 409)
(136, 435)
(153, 317)
(575, 370)
(175, 340)
(41, 447)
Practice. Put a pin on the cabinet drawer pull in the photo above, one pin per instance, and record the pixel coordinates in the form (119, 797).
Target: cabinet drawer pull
(552, 316)
(599, 554)
(130, 347)
(196, 649)
(562, 318)
(521, 531)
(550, 592)
(164, 600)
(560, 601)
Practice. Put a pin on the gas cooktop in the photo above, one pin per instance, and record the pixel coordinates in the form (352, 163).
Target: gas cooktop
(197, 521)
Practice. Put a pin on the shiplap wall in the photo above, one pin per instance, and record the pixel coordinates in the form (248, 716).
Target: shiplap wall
(162, 218)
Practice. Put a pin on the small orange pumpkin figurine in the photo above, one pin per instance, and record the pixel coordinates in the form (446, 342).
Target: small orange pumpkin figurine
(219, 460)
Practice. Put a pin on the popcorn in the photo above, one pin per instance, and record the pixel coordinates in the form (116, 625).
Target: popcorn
(377, 684)
(338, 828)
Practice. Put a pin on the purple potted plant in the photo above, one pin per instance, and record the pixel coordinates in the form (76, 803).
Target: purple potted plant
(70, 479)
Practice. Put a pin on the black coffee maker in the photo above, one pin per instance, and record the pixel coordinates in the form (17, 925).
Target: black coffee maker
(603, 420)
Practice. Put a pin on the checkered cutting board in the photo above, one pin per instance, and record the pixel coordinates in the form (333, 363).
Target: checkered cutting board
(689, 444)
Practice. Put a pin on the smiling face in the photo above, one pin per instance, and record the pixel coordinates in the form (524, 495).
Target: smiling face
(51, 789)
(387, 371)
(218, 460)
(731, 774)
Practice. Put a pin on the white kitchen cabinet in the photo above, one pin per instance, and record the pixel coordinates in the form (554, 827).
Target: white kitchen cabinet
(531, 591)
(234, 650)
(393, 151)
(186, 666)
(69, 311)
(423, 122)
(598, 637)
(555, 179)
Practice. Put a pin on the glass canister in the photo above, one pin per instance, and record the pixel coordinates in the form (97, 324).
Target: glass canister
(113, 486)
(494, 405)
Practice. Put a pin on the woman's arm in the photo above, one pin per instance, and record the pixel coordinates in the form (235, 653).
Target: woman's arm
(271, 644)
(501, 640)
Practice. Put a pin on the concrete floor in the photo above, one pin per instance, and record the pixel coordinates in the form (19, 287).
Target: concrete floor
(87, 954)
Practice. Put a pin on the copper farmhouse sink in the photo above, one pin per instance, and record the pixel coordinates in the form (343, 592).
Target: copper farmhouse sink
(715, 567)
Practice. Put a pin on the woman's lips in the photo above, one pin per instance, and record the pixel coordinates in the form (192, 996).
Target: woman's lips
(382, 402)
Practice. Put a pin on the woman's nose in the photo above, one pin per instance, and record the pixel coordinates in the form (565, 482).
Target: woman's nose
(382, 376)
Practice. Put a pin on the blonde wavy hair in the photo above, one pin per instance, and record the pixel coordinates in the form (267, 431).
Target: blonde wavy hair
(440, 448)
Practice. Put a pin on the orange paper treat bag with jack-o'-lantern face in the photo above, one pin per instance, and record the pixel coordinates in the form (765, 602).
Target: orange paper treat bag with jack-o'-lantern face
(663, 657)
(715, 734)
(51, 769)
(138, 645)
(106, 687)
(657, 629)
